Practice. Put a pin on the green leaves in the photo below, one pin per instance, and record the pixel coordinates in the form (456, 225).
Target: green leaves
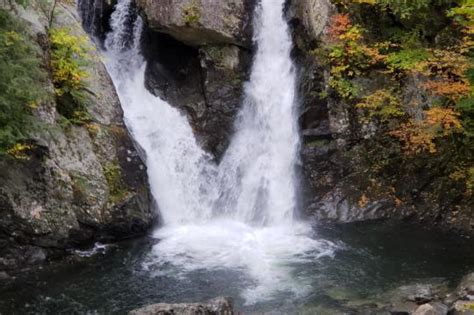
(407, 59)
(69, 56)
(21, 84)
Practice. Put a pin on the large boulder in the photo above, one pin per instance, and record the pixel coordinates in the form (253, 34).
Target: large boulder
(81, 183)
(206, 83)
(198, 54)
(200, 22)
(311, 16)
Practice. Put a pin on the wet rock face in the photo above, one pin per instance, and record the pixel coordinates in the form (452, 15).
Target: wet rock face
(95, 15)
(81, 183)
(198, 54)
(201, 22)
(205, 83)
(217, 306)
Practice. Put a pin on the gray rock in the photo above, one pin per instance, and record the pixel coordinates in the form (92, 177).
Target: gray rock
(35, 255)
(465, 290)
(81, 183)
(420, 293)
(462, 308)
(402, 308)
(435, 308)
(201, 22)
(217, 306)
(313, 15)
(205, 84)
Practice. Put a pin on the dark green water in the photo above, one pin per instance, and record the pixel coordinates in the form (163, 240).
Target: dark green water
(372, 258)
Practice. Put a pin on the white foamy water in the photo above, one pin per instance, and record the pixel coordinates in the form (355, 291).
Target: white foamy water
(238, 215)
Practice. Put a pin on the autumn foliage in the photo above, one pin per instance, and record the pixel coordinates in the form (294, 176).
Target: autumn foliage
(338, 26)
(421, 103)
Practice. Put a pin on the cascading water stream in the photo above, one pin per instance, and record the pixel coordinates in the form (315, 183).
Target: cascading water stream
(177, 167)
(258, 168)
(237, 215)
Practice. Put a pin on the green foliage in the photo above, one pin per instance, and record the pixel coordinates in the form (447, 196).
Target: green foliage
(406, 9)
(20, 85)
(464, 13)
(382, 105)
(69, 57)
(407, 59)
(117, 189)
(466, 107)
(347, 56)
(403, 70)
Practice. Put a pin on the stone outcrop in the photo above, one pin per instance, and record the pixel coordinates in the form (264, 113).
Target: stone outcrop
(310, 17)
(336, 142)
(81, 183)
(198, 58)
(217, 306)
(200, 22)
(432, 298)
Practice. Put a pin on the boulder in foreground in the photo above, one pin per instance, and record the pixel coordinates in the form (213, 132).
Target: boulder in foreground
(216, 306)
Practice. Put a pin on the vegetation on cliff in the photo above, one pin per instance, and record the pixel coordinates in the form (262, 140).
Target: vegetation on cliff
(69, 54)
(25, 74)
(20, 86)
(405, 72)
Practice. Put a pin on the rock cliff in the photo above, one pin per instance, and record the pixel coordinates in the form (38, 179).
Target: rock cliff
(80, 183)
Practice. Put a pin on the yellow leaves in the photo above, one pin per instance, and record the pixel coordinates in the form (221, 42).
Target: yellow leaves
(416, 137)
(19, 151)
(445, 119)
(452, 90)
(68, 58)
(366, 1)
(447, 63)
(33, 105)
(464, 174)
(353, 34)
(61, 37)
(93, 128)
(10, 38)
(381, 104)
(420, 135)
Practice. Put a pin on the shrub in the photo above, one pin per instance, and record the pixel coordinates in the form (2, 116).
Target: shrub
(69, 56)
(21, 85)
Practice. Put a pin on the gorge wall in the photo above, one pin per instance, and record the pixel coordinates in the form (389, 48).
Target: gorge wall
(86, 182)
(76, 183)
(199, 55)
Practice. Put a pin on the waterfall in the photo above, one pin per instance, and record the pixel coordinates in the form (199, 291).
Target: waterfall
(177, 167)
(238, 214)
(258, 169)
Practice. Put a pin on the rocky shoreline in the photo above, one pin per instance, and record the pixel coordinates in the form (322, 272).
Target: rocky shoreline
(416, 299)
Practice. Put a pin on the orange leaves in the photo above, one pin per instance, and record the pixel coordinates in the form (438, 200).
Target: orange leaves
(447, 63)
(420, 135)
(448, 69)
(339, 25)
(342, 29)
(446, 119)
(452, 90)
(416, 137)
